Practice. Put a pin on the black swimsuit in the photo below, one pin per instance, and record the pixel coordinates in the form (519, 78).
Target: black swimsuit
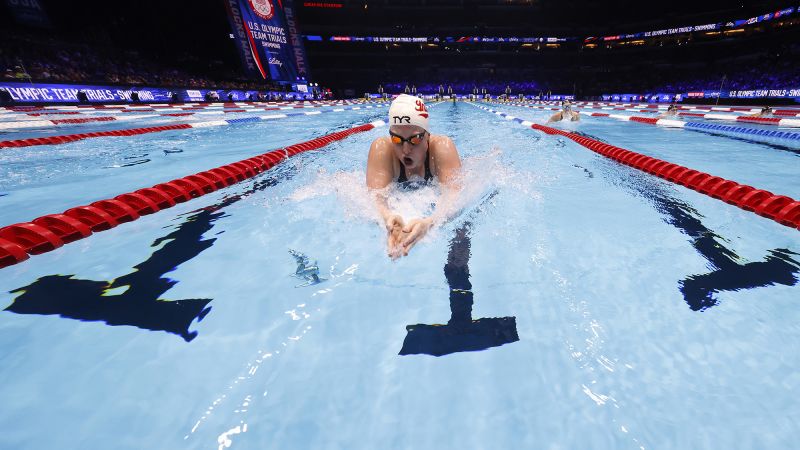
(403, 181)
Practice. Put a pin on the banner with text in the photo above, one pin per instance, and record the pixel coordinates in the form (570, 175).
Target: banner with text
(22, 93)
(267, 39)
(764, 93)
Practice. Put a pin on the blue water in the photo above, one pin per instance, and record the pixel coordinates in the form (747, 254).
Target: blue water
(582, 304)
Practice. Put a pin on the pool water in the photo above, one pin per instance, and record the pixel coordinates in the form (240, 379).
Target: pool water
(573, 303)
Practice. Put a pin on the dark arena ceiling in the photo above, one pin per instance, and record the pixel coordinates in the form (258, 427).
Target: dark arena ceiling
(533, 16)
(196, 35)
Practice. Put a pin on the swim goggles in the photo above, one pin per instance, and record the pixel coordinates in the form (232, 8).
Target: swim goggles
(413, 140)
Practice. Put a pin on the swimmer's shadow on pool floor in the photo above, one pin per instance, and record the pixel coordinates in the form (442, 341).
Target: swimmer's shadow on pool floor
(138, 302)
(729, 273)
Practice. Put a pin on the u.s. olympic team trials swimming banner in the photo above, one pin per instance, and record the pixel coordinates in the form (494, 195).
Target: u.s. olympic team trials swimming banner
(268, 39)
(30, 93)
(661, 97)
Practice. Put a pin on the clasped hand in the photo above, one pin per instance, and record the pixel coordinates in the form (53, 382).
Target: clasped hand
(403, 236)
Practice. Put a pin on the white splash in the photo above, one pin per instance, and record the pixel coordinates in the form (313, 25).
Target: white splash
(224, 439)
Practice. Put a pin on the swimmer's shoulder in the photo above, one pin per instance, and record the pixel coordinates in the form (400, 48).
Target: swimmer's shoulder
(445, 160)
(442, 145)
(441, 140)
(382, 166)
(380, 145)
(380, 152)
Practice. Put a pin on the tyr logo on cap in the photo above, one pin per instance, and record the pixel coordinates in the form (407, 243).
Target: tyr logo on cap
(401, 119)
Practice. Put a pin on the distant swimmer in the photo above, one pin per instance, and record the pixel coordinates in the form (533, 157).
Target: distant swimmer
(411, 157)
(765, 112)
(565, 113)
(671, 111)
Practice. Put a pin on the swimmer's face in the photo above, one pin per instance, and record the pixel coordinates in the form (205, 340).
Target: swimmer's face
(410, 144)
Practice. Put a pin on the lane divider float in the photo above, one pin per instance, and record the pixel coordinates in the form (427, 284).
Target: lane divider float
(210, 109)
(63, 139)
(89, 108)
(706, 126)
(773, 121)
(44, 123)
(52, 231)
(758, 133)
(780, 208)
(779, 112)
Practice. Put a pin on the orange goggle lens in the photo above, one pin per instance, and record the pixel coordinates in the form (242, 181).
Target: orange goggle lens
(413, 140)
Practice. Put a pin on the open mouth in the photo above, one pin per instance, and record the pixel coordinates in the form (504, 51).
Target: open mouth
(407, 161)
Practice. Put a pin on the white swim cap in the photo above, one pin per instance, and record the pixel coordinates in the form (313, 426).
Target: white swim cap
(408, 110)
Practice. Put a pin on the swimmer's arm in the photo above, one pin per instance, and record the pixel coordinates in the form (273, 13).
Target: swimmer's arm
(448, 168)
(447, 206)
(379, 174)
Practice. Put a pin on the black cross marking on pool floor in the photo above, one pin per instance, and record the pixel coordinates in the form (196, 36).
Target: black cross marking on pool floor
(462, 333)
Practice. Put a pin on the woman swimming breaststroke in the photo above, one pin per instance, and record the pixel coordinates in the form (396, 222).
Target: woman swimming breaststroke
(410, 156)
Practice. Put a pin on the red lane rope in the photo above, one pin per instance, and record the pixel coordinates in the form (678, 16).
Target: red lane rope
(780, 208)
(52, 140)
(84, 120)
(62, 139)
(49, 232)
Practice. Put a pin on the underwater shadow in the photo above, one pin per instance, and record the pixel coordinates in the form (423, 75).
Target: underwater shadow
(462, 333)
(138, 302)
(729, 272)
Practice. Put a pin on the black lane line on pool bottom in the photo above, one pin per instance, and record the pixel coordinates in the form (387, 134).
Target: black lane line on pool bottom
(462, 333)
(729, 274)
(141, 304)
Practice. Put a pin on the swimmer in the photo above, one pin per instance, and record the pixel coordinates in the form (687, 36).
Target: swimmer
(411, 156)
(765, 112)
(671, 111)
(565, 113)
